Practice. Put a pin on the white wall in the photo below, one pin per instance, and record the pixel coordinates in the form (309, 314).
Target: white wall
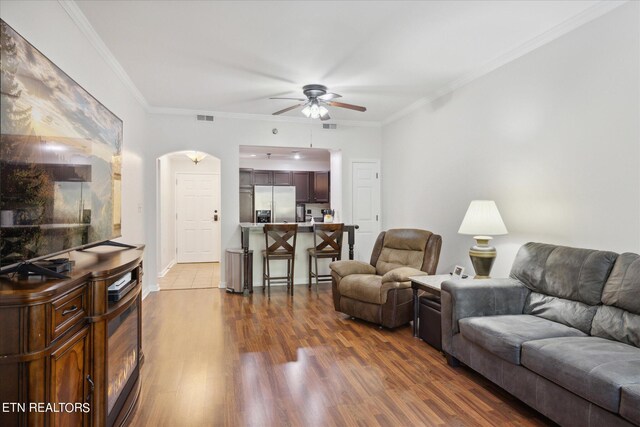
(166, 215)
(336, 185)
(49, 28)
(552, 137)
(222, 139)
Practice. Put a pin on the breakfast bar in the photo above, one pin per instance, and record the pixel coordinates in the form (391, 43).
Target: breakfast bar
(249, 229)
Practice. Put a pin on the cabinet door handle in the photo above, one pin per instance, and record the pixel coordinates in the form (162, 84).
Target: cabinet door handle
(70, 310)
(91, 388)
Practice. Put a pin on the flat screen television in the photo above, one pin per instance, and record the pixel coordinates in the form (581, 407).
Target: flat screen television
(60, 159)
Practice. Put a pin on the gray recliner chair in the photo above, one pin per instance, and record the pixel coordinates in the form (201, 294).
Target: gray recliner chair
(380, 291)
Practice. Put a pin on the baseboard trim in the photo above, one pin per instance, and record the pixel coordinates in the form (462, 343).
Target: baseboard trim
(167, 268)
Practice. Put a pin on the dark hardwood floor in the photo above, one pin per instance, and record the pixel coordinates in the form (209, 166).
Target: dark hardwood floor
(216, 359)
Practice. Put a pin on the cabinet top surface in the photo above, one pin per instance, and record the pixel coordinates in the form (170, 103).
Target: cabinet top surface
(95, 263)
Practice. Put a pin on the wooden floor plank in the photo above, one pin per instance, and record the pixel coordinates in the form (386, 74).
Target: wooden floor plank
(217, 359)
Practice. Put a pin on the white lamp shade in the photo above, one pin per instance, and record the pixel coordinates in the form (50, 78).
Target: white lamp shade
(482, 218)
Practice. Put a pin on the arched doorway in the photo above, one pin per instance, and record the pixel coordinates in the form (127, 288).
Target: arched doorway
(188, 217)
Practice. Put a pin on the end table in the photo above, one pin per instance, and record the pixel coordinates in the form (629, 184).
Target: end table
(429, 284)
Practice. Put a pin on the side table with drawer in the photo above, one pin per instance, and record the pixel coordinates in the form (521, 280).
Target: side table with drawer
(426, 308)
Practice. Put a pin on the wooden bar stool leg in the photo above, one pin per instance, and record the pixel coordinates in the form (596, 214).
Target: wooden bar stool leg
(264, 274)
(309, 259)
(317, 273)
(290, 274)
(268, 278)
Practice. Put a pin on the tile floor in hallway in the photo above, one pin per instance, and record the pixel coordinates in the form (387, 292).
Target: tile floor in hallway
(192, 276)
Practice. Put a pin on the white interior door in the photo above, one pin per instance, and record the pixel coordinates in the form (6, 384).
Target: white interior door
(365, 195)
(197, 217)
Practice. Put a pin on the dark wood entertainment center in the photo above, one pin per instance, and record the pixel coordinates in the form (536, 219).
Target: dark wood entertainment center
(63, 342)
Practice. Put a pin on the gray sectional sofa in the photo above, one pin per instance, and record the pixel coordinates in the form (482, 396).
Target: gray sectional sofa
(562, 333)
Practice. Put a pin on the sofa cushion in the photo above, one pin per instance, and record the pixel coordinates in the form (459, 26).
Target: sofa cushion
(571, 313)
(616, 324)
(504, 335)
(630, 403)
(559, 271)
(591, 367)
(622, 289)
(402, 248)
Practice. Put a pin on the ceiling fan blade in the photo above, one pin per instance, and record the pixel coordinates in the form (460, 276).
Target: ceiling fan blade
(287, 109)
(329, 96)
(295, 99)
(325, 117)
(349, 106)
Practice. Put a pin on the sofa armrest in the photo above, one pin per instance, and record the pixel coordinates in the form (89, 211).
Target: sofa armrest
(348, 267)
(473, 298)
(401, 274)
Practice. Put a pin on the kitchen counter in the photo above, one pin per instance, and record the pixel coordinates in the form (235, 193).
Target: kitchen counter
(248, 229)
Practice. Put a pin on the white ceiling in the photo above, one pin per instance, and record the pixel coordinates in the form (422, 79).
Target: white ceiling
(231, 56)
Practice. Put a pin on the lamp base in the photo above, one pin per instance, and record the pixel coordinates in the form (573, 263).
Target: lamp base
(482, 257)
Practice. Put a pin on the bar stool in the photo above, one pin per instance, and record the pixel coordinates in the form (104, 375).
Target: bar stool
(327, 242)
(280, 244)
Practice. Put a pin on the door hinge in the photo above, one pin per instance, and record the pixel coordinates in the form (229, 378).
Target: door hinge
(376, 175)
(376, 217)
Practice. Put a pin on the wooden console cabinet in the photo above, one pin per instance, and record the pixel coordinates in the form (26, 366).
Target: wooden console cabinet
(55, 344)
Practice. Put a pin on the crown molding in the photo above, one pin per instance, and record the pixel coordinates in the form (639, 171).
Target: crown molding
(87, 29)
(548, 36)
(260, 117)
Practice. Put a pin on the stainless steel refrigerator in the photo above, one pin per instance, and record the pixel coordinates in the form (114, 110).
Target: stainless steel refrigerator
(280, 200)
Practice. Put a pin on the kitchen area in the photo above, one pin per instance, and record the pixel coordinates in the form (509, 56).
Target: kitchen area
(285, 185)
(284, 195)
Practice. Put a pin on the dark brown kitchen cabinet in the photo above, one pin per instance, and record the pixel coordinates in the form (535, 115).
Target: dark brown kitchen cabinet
(271, 177)
(262, 177)
(281, 178)
(246, 177)
(320, 187)
(246, 204)
(302, 184)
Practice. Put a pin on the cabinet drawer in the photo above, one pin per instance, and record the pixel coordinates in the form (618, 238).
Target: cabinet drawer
(67, 311)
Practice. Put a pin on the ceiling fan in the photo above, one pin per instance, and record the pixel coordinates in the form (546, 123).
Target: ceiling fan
(317, 98)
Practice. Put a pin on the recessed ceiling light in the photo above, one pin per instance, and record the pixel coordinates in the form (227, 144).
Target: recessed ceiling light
(253, 155)
(296, 156)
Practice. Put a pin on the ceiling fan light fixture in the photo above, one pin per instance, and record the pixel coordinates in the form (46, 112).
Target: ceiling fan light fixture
(315, 109)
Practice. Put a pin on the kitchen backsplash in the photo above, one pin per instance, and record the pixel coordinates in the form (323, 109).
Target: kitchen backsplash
(316, 207)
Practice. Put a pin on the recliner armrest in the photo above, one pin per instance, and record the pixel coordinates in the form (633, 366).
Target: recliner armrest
(348, 267)
(401, 274)
(483, 297)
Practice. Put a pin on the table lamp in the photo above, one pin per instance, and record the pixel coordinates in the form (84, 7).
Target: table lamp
(482, 220)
